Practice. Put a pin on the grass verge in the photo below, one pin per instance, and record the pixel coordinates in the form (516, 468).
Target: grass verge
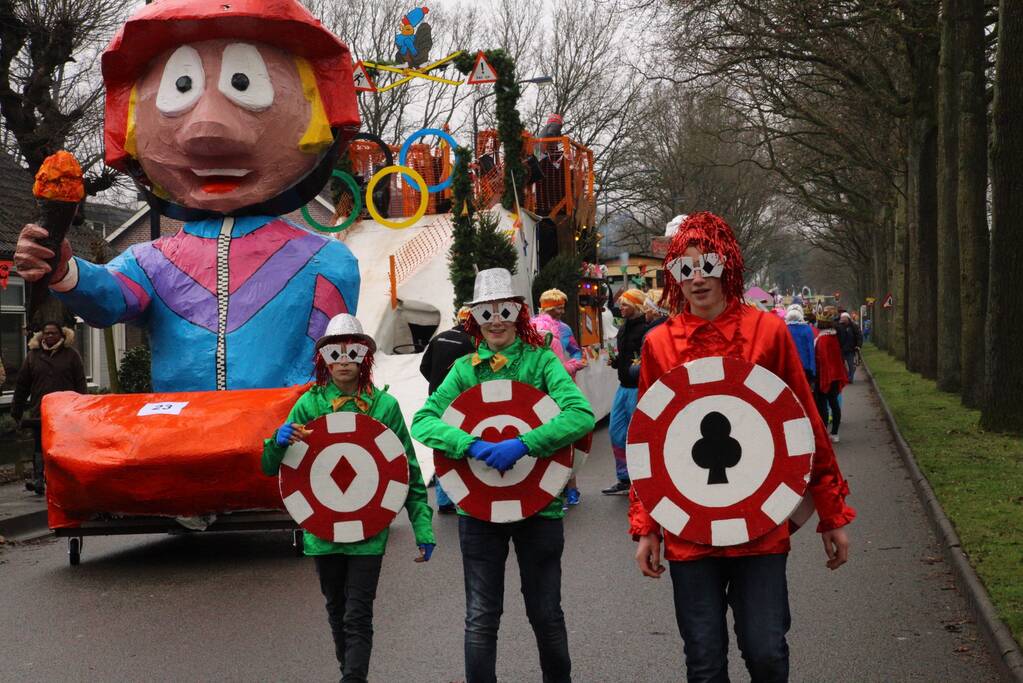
(976, 475)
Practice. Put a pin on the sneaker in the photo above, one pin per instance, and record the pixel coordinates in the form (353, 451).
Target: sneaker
(834, 438)
(572, 496)
(619, 488)
(446, 509)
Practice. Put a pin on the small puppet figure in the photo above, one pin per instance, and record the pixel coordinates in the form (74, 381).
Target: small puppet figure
(349, 572)
(415, 38)
(226, 116)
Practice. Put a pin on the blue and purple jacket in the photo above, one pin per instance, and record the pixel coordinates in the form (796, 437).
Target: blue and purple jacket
(232, 303)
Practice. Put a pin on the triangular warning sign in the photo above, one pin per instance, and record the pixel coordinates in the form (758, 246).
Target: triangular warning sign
(363, 81)
(481, 72)
(888, 302)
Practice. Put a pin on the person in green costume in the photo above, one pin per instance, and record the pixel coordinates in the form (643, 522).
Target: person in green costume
(509, 348)
(349, 572)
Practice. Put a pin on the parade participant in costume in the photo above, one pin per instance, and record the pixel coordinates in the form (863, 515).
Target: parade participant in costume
(626, 362)
(349, 572)
(713, 321)
(565, 347)
(832, 375)
(509, 348)
(850, 338)
(226, 116)
(803, 337)
(441, 353)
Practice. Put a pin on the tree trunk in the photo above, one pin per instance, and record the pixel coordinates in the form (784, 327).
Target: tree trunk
(949, 320)
(972, 218)
(922, 327)
(1003, 409)
(898, 314)
(111, 352)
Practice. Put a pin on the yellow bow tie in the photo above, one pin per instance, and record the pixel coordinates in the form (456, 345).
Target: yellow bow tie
(497, 361)
(337, 403)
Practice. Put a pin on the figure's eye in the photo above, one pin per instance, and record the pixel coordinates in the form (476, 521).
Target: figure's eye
(244, 79)
(182, 83)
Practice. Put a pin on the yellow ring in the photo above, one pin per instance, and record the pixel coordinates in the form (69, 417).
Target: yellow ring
(424, 194)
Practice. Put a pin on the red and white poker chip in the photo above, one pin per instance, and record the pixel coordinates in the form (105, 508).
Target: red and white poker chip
(347, 480)
(720, 482)
(581, 452)
(496, 410)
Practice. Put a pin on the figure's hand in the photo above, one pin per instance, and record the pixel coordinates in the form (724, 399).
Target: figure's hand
(505, 454)
(648, 556)
(480, 449)
(291, 433)
(30, 257)
(425, 552)
(836, 546)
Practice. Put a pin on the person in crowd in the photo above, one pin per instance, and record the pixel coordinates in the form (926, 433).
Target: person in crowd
(441, 353)
(653, 312)
(349, 572)
(803, 336)
(51, 364)
(832, 375)
(626, 362)
(867, 326)
(850, 339)
(509, 347)
(565, 347)
(711, 320)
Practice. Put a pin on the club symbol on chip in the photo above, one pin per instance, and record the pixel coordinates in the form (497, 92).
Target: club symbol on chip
(716, 450)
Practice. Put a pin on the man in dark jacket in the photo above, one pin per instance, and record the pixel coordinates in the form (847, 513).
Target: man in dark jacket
(626, 362)
(441, 353)
(52, 364)
(850, 339)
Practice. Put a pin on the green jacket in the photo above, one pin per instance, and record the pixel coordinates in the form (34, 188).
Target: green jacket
(383, 407)
(527, 364)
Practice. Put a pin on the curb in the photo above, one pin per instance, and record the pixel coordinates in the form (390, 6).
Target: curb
(1010, 658)
(25, 527)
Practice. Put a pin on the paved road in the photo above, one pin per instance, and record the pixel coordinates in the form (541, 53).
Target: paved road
(240, 607)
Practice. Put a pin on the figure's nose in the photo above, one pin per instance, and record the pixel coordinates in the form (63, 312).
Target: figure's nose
(217, 128)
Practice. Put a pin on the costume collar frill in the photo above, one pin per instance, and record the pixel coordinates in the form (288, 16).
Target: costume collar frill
(507, 357)
(363, 401)
(721, 336)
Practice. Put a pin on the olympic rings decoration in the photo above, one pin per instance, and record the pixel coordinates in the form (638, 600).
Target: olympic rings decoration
(353, 186)
(422, 133)
(424, 197)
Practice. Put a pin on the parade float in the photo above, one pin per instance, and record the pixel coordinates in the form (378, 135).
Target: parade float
(235, 130)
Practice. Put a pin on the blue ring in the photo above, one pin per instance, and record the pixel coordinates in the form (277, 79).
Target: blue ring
(407, 145)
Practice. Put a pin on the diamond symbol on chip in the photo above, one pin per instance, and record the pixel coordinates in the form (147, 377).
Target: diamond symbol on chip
(343, 475)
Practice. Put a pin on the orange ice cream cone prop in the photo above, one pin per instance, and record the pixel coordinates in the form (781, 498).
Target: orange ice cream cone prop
(59, 190)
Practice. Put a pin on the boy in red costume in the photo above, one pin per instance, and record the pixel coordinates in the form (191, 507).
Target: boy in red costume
(705, 288)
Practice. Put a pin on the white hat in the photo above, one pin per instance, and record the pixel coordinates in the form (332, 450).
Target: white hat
(673, 225)
(346, 325)
(493, 284)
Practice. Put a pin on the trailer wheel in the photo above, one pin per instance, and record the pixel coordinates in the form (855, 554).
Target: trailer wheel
(74, 550)
(296, 542)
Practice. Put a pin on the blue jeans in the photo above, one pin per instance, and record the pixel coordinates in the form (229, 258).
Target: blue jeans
(538, 543)
(756, 589)
(622, 408)
(442, 497)
(850, 364)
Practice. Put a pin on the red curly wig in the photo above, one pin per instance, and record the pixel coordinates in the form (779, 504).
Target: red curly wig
(710, 234)
(523, 328)
(365, 367)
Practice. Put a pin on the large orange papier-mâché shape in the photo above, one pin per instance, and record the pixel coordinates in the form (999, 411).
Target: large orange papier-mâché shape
(60, 178)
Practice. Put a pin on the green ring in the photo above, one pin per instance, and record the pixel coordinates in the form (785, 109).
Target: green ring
(356, 209)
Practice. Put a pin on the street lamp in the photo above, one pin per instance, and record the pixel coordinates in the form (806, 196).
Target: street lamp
(538, 80)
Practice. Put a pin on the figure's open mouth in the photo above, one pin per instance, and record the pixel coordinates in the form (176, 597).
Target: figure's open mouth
(220, 180)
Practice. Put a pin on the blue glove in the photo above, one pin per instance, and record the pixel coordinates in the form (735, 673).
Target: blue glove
(480, 449)
(427, 549)
(505, 454)
(284, 434)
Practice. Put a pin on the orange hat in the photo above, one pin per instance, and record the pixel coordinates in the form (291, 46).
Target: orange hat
(552, 298)
(463, 314)
(633, 297)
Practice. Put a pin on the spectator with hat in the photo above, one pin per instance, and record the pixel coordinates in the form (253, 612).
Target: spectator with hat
(626, 361)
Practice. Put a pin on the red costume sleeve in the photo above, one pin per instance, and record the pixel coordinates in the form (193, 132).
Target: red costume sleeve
(827, 485)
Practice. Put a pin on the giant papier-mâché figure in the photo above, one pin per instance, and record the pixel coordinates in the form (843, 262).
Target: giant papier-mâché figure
(227, 115)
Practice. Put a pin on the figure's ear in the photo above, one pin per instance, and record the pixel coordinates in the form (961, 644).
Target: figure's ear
(317, 136)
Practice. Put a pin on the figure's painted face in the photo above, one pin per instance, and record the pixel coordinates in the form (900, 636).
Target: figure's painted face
(407, 30)
(218, 124)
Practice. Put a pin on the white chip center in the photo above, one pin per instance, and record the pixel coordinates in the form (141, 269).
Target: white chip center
(360, 490)
(748, 428)
(488, 475)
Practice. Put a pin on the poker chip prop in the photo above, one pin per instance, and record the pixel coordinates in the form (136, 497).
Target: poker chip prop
(720, 451)
(581, 452)
(348, 480)
(494, 411)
